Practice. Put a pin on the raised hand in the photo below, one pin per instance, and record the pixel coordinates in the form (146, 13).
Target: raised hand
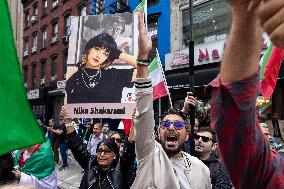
(144, 41)
(271, 16)
(189, 100)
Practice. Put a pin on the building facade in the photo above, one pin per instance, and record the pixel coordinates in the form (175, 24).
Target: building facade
(16, 12)
(211, 21)
(46, 30)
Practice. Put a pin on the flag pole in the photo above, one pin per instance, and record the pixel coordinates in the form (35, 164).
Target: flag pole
(191, 77)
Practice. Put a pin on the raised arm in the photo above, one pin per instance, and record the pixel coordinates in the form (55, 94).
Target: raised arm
(242, 51)
(144, 117)
(244, 149)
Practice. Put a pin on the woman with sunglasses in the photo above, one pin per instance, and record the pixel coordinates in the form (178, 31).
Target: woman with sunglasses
(107, 169)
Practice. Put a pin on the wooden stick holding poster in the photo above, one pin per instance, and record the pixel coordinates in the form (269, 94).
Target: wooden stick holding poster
(100, 67)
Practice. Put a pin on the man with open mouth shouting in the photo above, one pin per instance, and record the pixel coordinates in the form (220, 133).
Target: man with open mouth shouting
(165, 165)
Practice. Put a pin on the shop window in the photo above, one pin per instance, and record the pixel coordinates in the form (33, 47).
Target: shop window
(211, 21)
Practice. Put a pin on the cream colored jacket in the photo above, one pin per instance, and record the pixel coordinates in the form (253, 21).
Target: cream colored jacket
(154, 167)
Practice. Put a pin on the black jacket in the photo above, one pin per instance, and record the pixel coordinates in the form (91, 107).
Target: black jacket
(218, 174)
(117, 176)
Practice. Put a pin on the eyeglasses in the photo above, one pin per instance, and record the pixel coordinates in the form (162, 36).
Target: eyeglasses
(119, 140)
(177, 124)
(106, 151)
(203, 138)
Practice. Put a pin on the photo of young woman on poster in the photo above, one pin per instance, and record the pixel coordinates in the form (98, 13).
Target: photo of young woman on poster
(92, 82)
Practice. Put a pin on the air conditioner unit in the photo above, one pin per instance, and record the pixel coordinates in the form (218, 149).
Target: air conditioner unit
(42, 81)
(26, 53)
(34, 49)
(54, 39)
(65, 38)
(53, 78)
(34, 18)
(54, 4)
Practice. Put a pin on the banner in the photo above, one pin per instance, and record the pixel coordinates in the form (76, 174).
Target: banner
(97, 73)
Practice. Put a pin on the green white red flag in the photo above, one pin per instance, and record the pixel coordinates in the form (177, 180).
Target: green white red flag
(158, 80)
(271, 63)
(18, 125)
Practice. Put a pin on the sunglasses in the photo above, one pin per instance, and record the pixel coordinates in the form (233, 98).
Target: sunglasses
(177, 124)
(105, 151)
(118, 140)
(203, 138)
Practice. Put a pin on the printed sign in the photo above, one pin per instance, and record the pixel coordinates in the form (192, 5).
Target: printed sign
(98, 70)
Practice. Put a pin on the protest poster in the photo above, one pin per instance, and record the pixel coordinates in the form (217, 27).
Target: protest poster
(99, 84)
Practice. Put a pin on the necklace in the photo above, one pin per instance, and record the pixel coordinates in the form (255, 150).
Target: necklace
(90, 81)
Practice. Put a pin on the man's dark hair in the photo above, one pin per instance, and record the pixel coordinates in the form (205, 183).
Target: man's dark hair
(106, 41)
(208, 129)
(175, 112)
(6, 168)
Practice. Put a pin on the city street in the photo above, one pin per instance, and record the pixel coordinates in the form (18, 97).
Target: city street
(71, 177)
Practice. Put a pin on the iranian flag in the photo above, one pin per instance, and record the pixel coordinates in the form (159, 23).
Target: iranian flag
(271, 63)
(158, 80)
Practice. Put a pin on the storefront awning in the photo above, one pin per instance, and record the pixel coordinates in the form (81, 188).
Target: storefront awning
(201, 78)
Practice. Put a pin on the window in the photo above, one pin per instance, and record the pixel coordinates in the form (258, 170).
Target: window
(35, 10)
(42, 68)
(43, 38)
(153, 32)
(152, 2)
(34, 49)
(54, 32)
(83, 10)
(67, 25)
(27, 19)
(33, 75)
(26, 47)
(211, 22)
(53, 67)
(25, 72)
(65, 56)
(44, 7)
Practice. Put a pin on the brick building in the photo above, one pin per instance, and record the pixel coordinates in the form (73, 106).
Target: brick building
(45, 49)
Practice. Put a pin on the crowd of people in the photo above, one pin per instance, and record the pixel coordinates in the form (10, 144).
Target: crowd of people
(234, 151)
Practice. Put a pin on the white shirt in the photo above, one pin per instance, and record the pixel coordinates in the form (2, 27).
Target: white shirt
(179, 168)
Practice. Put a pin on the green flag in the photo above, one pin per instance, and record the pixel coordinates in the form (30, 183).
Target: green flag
(141, 5)
(18, 126)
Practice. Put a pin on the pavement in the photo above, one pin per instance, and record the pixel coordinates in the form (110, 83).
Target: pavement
(70, 177)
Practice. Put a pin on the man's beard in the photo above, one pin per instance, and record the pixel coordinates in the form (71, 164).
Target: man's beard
(171, 152)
